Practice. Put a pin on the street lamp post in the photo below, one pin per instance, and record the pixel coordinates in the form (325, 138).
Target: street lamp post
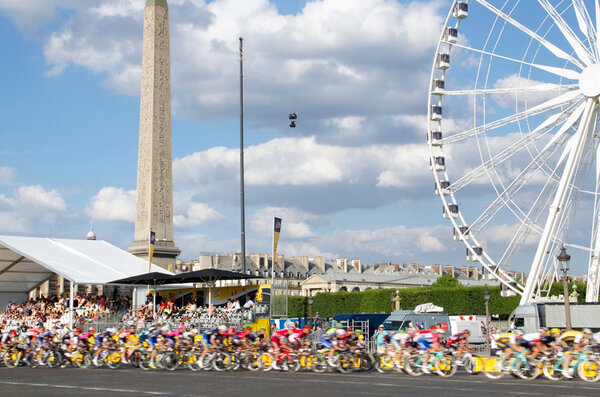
(393, 299)
(486, 296)
(563, 261)
(310, 303)
(398, 299)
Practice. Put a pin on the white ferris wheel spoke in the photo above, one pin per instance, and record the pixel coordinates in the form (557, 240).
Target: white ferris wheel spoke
(530, 88)
(566, 73)
(585, 23)
(597, 9)
(551, 47)
(550, 104)
(571, 37)
(498, 159)
(583, 135)
(505, 197)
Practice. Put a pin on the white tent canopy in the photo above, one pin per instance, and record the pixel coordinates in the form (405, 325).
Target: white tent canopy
(27, 262)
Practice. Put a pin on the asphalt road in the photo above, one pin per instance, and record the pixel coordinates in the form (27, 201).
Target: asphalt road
(103, 382)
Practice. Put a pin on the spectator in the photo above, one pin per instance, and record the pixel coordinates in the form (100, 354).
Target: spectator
(249, 303)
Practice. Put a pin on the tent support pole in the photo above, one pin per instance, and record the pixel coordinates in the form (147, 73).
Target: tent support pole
(70, 305)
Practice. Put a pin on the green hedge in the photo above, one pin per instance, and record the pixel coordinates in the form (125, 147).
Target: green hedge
(461, 300)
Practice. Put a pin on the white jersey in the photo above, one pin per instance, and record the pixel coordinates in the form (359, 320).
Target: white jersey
(531, 337)
(578, 338)
(401, 337)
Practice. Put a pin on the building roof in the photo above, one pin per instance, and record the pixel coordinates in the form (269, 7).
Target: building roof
(26, 262)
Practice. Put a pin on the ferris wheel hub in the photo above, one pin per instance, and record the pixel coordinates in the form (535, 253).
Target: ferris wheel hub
(589, 81)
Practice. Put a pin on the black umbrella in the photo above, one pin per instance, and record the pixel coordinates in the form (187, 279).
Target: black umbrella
(209, 276)
(152, 279)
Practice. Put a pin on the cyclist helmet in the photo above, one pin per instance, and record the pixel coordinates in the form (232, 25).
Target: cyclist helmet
(518, 332)
(263, 329)
(587, 331)
(111, 330)
(358, 332)
(466, 331)
(165, 328)
(440, 331)
(339, 332)
(543, 331)
(194, 330)
(247, 326)
(222, 328)
(349, 330)
(78, 330)
(92, 329)
(231, 330)
(555, 331)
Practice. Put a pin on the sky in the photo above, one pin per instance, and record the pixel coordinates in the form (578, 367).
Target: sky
(351, 180)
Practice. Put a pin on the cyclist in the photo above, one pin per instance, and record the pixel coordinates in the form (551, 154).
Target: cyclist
(515, 344)
(580, 342)
(103, 341)
(460, 342)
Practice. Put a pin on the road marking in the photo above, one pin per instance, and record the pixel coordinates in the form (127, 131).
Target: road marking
(158, 393)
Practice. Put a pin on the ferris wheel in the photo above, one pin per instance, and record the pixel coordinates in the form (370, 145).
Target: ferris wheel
(513, 137)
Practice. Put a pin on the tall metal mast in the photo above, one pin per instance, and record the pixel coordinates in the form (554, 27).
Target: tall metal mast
(242, 203)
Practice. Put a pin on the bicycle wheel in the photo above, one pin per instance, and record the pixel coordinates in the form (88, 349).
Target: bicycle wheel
(193, 361)
(53, 359)
(527, 369)
(589, 370)
(367, 361)
(170, 361)
(266, 361)
(384, 364)
(552, 369)
(492, 368)
(252, 361)
(144, 361)
(293, 362)
(470, 365)
(12, 358)
(344, 363)
(445, 366)
(412, 365)
(113, 360)
(221, 361)
(319, 363)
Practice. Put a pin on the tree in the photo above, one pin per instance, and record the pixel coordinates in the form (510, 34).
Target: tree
(446, 281)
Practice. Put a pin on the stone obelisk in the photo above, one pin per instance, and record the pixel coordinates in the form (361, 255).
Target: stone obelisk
(154, 209)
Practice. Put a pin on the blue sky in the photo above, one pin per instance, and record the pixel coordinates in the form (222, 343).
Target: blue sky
(351, 180)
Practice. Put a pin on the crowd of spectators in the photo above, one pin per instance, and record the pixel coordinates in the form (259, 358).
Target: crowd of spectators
(53, 311)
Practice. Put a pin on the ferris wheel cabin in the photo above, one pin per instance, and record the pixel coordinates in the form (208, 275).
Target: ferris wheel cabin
(435, 138)
(439, 163)
(436, 113)
(461, 10)
(451, 211)
(451, 35)
(460, 232)
(474, 253)
(443, 188)
(443, 61)
(437, 87)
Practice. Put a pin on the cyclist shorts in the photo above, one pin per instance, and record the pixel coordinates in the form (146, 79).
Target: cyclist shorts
(326, 343)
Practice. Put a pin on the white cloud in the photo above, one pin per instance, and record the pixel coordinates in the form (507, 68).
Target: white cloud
(6, 175)
(528, 99)
(304, 162)
(30, 208)
(112, 204)
(324, 62)
(192, 214)
(295, 223)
